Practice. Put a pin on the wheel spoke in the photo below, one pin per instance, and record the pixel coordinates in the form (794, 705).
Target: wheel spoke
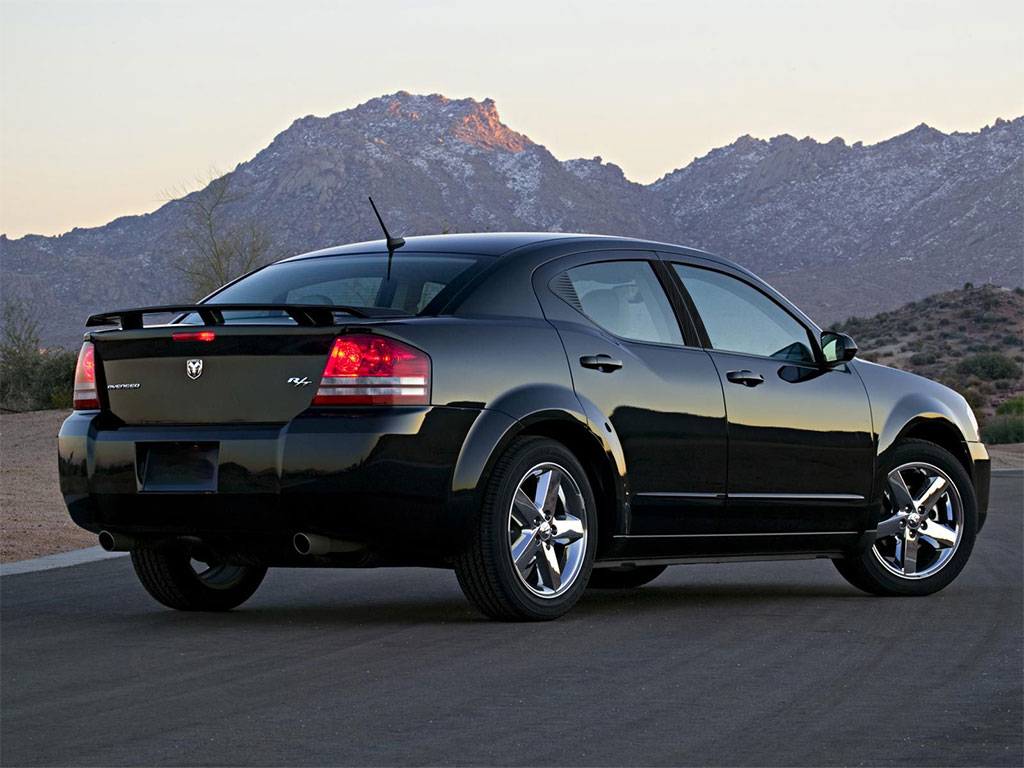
(546, 497)
(901, 497)
(570, 529)
(524, 552)
(548, 568)
(891, 526)
(931, 495)
(940, 536)
(523, 510)
(909, 555)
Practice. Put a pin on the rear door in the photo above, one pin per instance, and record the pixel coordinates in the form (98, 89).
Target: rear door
(800, 442)
(644, 381)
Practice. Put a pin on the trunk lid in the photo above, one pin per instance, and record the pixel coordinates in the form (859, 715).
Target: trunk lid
(246, 374)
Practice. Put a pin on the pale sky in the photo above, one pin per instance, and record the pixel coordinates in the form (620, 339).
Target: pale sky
(105, 105)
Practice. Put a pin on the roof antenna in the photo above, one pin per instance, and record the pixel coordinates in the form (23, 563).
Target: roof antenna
(392, 242)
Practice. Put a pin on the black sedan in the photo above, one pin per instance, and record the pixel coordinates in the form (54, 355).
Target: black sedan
(540, 412)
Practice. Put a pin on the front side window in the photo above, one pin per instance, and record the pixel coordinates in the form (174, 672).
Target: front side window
(626, 299)
(739, 318)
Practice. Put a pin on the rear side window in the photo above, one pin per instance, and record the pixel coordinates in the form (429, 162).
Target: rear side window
(626, 299)
(417, 280)
(739, 318)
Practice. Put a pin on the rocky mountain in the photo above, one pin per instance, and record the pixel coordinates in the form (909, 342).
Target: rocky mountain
(842, 229)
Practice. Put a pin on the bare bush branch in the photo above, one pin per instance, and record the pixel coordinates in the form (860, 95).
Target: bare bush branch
(216, 251)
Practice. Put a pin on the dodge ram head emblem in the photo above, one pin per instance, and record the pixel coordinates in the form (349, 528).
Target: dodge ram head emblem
(194, 368)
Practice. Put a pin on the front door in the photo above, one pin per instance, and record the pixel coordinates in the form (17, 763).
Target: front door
(800, 441)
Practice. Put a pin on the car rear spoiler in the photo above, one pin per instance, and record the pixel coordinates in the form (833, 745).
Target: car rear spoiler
(213, 314)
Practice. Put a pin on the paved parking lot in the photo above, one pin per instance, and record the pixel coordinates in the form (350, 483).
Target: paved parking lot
(753, 664)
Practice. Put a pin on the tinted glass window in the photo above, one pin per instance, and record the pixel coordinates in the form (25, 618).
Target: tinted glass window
(416, 280)
(739, 318)
(625, 298)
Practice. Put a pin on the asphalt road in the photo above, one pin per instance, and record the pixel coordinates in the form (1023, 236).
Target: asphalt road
(744, 664)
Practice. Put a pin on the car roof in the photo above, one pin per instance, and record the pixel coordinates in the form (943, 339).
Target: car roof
(477, 243)
(501, 243)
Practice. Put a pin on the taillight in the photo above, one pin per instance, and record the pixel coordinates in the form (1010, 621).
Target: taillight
(85, 397)
(373, 370)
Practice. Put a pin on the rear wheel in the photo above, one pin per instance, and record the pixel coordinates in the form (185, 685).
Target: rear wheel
(174, 578)
(626, 577)
(533, 547)
(929, 522)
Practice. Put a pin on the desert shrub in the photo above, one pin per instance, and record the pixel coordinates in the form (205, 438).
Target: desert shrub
(989, 366)
(923, 358)
(1004, 429)
(31, 378)
(38, 380)
(1013, 405)
(974, 398)
(1012, 340)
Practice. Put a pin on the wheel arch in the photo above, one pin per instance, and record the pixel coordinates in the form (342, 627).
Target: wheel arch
(609, 490)
(494, 431)
(943, 433)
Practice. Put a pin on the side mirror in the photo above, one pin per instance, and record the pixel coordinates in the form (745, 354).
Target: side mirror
(837, 347)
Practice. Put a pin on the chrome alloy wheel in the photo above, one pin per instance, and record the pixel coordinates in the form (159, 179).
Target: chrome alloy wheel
(547, 530)
(925, 521)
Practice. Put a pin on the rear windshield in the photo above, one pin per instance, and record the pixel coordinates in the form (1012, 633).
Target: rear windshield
(419, 283)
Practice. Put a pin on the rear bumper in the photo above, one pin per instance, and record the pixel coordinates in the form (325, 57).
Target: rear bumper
(383, 476)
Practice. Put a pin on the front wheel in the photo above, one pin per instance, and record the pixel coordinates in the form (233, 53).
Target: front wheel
(173, 577)
(532, 551)
(928, 525)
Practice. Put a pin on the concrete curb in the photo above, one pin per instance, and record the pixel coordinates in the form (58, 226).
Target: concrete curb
(61, 560)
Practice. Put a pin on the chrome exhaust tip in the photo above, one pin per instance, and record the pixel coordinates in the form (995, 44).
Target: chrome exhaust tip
(314, 544)
(116, 542)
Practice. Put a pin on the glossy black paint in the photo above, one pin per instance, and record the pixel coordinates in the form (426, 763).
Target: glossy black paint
(685, 462)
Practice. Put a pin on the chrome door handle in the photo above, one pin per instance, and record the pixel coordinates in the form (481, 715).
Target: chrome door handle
(746, 378)
(602, 363)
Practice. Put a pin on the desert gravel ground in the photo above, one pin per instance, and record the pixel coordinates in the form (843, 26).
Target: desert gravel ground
(33, 518)
(34, 521)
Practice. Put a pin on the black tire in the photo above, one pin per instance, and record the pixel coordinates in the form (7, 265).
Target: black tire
(169, 577)
(485, 569)
(626, 577)
(867, 573)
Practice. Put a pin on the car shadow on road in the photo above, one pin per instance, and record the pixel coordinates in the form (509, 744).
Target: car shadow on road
(451, 609)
